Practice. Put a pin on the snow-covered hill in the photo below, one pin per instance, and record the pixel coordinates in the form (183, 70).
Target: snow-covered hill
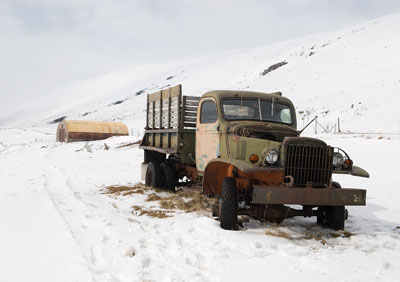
(58, 225)
(352, 74)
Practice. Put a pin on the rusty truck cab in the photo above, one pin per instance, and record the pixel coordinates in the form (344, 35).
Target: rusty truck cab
(227, 134)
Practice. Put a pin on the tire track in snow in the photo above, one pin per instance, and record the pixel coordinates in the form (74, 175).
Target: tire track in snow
(100, 243)
(52, 198)
(66, 203)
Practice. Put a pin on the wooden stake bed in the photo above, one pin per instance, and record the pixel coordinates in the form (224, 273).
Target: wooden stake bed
(171, 123)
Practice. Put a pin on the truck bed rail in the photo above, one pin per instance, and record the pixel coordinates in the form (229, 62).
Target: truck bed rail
(169, 109)
(171, 123)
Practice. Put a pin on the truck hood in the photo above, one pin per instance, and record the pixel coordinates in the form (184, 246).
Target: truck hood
(267, 131)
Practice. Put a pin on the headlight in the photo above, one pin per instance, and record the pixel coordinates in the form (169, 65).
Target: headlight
(338, 160)
(272, 157)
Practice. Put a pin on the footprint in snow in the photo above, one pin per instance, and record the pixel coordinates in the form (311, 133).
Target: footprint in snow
(90, 216)
(143, 243)
(106, 239)
(146, 261)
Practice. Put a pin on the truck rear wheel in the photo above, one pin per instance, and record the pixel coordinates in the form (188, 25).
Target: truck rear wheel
(229, 207)
(153, 175)
(169, 177)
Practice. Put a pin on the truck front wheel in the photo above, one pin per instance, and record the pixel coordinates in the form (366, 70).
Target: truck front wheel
(153, 175)
(229, 206)
(332, 216)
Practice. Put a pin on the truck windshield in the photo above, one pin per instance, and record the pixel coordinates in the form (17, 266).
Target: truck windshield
(256, 109)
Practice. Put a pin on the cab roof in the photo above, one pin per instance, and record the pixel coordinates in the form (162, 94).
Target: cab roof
(218, 94)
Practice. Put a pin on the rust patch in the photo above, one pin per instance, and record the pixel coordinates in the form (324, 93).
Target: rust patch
(217, 171)
(85, 136)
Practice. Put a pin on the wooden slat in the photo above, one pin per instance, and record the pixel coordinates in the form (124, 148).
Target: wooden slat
(189, 98)
(186, 124)
(193, 104)
(164, 108)
(155, 96)
(182, 113)
(190, 108)
(176, 91)
(190, 114)
(190, 119)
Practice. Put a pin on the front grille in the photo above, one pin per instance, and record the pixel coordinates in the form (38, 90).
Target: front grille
(309, 163)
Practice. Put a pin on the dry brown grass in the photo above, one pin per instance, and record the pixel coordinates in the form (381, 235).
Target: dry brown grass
(335, 235)
(186, 201)
(125, 190)
(152, 213)
(153, 197)
(344, 234)
(138, 191)
(347, 234)
(185, 194)
(317, 237)
(277, 232)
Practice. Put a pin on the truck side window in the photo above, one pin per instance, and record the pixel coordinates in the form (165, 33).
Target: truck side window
(208, 112)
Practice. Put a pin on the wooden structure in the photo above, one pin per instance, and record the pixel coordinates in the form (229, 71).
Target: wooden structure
(78, 130)
(171, 123)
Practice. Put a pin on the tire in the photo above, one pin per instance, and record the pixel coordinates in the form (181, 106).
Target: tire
(332, 216)
(228, 206)
(168, 177)
(338, 213)
(153, 175)
(323, 218)
(338, 217)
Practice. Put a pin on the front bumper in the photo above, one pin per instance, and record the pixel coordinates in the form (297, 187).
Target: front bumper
(309, 196)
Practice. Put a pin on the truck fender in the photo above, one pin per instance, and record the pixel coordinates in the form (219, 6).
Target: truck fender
(219, 168)
(358, 171)
(215, 172)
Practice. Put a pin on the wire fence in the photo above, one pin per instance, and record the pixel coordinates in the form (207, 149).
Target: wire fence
(329, 128)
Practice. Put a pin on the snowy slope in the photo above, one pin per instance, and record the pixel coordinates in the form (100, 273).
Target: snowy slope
(352, 74)
(57, 225)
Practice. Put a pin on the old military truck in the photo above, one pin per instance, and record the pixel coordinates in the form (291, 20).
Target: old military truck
(244, 148)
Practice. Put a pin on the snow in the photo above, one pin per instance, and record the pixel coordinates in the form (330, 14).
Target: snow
(58, 224)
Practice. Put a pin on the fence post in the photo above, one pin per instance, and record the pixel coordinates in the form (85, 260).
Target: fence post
(316, 126)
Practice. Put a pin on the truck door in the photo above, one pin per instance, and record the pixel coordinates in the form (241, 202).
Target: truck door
(207, 134)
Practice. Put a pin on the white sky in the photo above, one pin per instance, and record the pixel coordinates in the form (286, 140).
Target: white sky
(50, 44)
